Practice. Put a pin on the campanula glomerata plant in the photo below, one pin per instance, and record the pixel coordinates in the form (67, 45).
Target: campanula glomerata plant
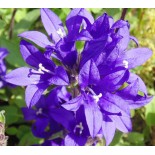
(82, 97)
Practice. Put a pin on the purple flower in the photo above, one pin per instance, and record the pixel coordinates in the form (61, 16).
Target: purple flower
(104, 69)
(38, 78)
(59, 42)
(55, 142)
(79, 134)
(48, 114)
(88, 97)
(3, 54)
(105, 34)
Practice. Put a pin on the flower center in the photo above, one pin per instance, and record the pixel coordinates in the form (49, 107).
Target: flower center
(125, 63)
(42, 69)
(97, 97)
(59, 31)
(79, 126)
(40, 111)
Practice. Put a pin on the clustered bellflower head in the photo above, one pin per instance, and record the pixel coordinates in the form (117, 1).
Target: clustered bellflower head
(89, 95)
(3, 54)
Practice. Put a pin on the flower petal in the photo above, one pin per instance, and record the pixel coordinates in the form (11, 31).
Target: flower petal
(108, 129)
(131, 96)
(64, 94)
(89, 74)
(93, 118)
(29, 114)
(3, 53)
(33, 93)
(74, 21)
(60, 77)
(64, 117)
(135, 40)
(131, 91)
(84, 35)
(33, 56)
(73, 140)
(140, 101)
(37, 37)
(53, 25)
(74, 104)
(93, 49)
(66, 52)
(120, 24)
(38, 128)
(136, 57)
(54, 142)
(22, 76)
(101, 26)
(30, 53)
(123, 44)
(114, 104)
(122, 123)
(115, 80)
(142, 86)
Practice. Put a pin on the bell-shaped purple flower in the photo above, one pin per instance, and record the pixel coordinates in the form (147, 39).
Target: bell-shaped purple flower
(60, 43)
(38, 78)
(88, 99)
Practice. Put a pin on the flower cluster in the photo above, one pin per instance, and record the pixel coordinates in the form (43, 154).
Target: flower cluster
(81, 96)
(3, 54)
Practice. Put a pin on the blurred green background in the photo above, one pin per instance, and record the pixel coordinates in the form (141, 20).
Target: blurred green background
(15, 21)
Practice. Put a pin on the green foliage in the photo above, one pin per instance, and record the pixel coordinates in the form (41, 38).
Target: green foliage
(25, 136)
(2, 117)
(27, 21)
(135, 138)
(150, 113)
(12, 114)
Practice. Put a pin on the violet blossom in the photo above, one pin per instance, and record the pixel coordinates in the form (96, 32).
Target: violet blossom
(3, 53)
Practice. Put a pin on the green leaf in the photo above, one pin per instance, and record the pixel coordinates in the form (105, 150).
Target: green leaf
(18, 97)
(150, 113)
(132, 112)
(26, 138)
(117, 138)
(14, 57)
(114, 12)
(20, 14)
(11, 130)
(11, 114)
(22, 130)
(80, 45)
(26, 23)
(2, 117)
(2, 24)
(3, 95)
(95, 10)
(135, 138)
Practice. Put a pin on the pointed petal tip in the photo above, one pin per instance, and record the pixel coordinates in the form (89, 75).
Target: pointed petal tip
(36, 37)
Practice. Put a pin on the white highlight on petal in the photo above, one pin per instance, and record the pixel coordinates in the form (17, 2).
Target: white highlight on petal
(125, 63)
(42, 68)
(59, 31)
(97, 97)
(40, 111)
(80, 126)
